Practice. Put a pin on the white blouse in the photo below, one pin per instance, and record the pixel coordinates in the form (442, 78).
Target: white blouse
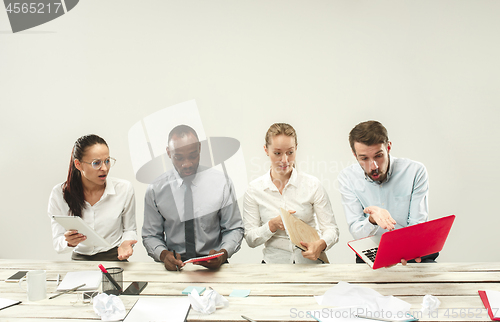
(304, 194)
(112, 217)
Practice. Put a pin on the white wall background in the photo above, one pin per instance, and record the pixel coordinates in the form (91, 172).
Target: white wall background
(428, 70)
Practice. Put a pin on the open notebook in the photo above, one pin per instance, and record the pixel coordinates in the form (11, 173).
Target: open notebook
(92, 280)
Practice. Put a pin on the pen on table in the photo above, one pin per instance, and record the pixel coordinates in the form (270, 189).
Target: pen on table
(175, 257)
(305, 250)
(67, 291)
(111, 279)
(248, 319)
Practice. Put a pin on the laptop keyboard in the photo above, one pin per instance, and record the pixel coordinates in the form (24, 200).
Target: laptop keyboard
(371, 253)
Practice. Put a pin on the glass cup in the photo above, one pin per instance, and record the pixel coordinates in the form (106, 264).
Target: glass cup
(107, 286)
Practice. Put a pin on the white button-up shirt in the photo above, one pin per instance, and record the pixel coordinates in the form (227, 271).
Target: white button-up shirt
(404, 194)
(112, 217)
(304, 194)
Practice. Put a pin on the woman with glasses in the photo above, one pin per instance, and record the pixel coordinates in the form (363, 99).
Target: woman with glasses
(106, 204)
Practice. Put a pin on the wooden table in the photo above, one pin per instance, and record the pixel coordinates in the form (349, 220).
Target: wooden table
(278, 292)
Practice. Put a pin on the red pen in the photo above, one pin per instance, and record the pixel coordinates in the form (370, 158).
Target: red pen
(112, 280)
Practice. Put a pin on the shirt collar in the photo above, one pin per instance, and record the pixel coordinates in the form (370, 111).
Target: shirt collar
(293, 178)
(109, 189)
(391, 168)
(292, 181)
(180, 181)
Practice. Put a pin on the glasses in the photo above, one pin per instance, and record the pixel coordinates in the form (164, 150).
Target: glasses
(97, 164)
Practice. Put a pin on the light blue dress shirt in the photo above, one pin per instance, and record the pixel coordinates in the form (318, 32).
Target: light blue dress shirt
(217, 221)
(404, 194)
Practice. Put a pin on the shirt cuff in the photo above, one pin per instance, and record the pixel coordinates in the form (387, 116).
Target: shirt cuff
(266, 232)
(129, 235)
(62, 247)
(158, 251)
(229, 248)
(330, 241)
(370, 227)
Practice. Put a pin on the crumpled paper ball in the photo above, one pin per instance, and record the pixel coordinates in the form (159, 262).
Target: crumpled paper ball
(207, 303)
(109, 307)
(430, 303)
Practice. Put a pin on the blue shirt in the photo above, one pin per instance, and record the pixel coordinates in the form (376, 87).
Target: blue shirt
(404, 193)
(217, 221)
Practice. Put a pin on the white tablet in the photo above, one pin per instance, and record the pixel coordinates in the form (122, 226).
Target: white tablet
(77, 223)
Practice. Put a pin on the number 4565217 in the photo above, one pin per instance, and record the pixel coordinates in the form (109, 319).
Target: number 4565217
(33, 7)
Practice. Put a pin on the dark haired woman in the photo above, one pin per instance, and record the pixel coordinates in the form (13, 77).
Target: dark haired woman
(106, 204)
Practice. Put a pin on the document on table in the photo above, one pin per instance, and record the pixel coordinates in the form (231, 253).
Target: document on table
(4, 303)
(92, 280)
(491, 301)
(159, 310)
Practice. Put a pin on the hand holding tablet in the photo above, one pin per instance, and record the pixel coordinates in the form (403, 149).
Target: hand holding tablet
(77, 223)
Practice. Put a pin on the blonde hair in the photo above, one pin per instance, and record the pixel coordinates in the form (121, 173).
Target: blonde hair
(279, 129)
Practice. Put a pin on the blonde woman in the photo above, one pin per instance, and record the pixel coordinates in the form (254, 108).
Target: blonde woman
(283, 186)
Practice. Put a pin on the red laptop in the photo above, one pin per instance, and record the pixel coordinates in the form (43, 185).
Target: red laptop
(403, 243)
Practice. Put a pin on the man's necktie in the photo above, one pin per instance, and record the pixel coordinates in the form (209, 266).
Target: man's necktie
(189, 221)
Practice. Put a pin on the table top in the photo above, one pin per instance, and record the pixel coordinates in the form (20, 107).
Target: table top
(277, 292)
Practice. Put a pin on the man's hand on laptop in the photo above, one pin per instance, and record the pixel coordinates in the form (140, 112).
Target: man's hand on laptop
(404, 262)
(380, 217)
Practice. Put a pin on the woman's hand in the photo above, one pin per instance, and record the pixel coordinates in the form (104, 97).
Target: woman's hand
(277, 223)
(73, 238)
(126, 249)
(313, 249)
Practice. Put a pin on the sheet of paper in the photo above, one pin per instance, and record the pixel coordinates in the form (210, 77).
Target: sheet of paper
(159, 310)
(365, 301)
(494, 299)
(4, 303)
(92, 280)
